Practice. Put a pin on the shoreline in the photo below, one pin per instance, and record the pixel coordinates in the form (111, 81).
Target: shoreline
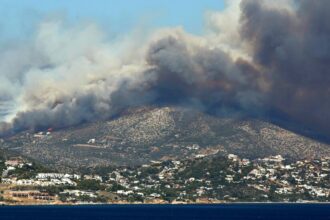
(168, 204)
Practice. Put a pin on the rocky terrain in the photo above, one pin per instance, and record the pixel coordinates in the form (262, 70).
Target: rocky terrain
(141, 135)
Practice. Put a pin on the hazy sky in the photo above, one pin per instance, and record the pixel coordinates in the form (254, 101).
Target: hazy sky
(19, 17)
(258, 56)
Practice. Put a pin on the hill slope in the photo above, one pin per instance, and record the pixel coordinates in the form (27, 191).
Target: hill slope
(144, 134)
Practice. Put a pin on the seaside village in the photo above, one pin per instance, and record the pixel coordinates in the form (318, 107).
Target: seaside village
(203, 179)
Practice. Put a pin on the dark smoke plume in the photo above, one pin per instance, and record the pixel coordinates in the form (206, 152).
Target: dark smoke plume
(259, 57)
(293, 49)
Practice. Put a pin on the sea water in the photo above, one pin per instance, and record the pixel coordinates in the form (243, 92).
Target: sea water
(167, 212)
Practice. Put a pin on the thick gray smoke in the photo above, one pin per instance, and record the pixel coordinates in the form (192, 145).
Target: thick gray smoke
(292, 46)
(257, 56)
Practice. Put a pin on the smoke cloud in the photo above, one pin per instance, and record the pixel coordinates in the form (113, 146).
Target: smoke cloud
(257, 57)
(292, 45)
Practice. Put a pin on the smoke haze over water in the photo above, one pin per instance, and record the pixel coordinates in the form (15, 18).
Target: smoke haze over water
(257, 57)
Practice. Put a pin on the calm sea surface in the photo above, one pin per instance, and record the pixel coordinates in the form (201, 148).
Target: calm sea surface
(166, 212)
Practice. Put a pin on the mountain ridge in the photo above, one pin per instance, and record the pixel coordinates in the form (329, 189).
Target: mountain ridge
(140, 135)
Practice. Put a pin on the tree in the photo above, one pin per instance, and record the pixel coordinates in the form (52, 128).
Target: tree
(90, 185)
(115, 187)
